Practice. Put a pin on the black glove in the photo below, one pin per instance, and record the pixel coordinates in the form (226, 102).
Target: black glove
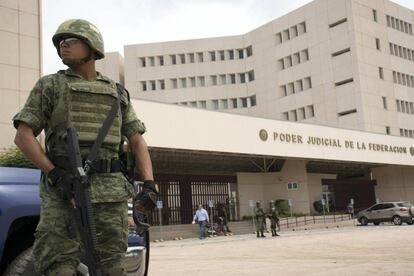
(147, 198)
(62, 180)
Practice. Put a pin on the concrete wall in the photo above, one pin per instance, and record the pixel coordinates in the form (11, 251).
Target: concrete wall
(272, 186)
(394, 183)
(112, 66)
(20, 59)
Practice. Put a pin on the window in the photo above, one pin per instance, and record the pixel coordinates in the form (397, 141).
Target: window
(387, 130)
(191, 57)
(377, 43)
(341, 52)
(381, 73)
(339, 83)
(232, 78)
(183, 82)
(253, 101)
(281, 64)
(311, 111)
(161, 60)
(305, 55)
(384, 102)
(144, 85)
(152, 61)
(374, 15)
(249, 51)
(182, 58)
(234, 103)
(241, 53)
(401, 132)
(222, 56)
(203, 104)
(286, 35)
(284, 90)
(225, 103)
(202, 81)
(294, 115)
(200, 57)
(285, 116)
(279, 38)
(193, 81)
(231, 54)
(343, 20)
(161, 84)
(223, 80)
(244, 102)
(215, 104)
(173, 59)
(193, 104)
(212, 56)
(308, 83)
(292, 186)
(213, 80)
(242, 77)
(142, 61)
(250, 74)
(347, 112)
(301, 113)
(153, 86)
(174, 83)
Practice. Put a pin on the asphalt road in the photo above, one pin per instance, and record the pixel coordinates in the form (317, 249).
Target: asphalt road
(354, 250)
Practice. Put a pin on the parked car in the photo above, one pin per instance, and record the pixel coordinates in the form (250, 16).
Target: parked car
(395, 212)
(19, 215)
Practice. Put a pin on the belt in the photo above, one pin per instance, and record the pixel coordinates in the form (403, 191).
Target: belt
(97, 166)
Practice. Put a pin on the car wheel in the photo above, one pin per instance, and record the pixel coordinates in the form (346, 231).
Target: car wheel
(363, 221)
(376, 223)
(397, 220)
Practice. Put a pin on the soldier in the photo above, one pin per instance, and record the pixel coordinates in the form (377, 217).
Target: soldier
(260, 217)
(80, 97)
(274, 218)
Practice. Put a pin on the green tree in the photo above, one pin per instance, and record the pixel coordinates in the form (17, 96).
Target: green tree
(13, 157)
(282, 205)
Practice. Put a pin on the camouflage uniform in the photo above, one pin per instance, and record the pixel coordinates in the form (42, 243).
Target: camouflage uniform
(274, 220)
(260, 218)
(55, 102)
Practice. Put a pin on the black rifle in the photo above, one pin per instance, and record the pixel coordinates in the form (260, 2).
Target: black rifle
(83, 211)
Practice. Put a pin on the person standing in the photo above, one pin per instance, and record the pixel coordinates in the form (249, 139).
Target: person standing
(260, 217)
(80, 97)
(274, 219)
(201, 217)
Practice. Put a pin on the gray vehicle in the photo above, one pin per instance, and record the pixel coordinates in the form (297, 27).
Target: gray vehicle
(395, 212)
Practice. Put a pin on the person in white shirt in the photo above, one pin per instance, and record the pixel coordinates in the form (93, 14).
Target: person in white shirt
(201, 216)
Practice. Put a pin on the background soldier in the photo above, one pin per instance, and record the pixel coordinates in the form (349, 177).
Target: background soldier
(80, 97)
(260, 217)
(274, 218)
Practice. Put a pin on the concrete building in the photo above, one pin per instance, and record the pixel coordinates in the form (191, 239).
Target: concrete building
(20, 59)
(342, 63)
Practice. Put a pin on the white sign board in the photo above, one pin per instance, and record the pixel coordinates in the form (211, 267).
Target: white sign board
(159, 204)
(290, 202)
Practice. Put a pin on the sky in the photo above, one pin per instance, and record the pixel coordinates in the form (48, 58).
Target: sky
(125, 22)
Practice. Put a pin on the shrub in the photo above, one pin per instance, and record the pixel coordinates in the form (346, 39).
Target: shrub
(13, 157)
(282, 206)
(317, 205)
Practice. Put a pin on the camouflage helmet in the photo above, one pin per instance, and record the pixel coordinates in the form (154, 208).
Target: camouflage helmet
(81, 29)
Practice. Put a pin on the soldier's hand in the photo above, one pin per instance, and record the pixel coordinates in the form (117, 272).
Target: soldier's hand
(63, 180)
(147, 198)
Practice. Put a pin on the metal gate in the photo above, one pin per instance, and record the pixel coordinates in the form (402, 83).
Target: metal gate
(181, 195)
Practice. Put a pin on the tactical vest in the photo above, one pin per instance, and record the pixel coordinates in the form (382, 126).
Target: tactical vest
(84, 105)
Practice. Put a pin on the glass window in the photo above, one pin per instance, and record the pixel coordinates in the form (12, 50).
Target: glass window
(223, 79)
(231, 54)
(251, 75)
(249, 51)
(142, 62)
(387, 130)
(153, 86)
(213, 80)
(222, 56)
(242, 77)
(173, 59)
(144, 85)
(234, 103)
(152, 61)
(174, 83)
(183, 82)
(374, 15)
(241, 53)
(202, 81)
(232, 78)
(381, 73)
(215, 105)
(384, 102)
(203, 104)
(200, 57)
(253, 100)
(182, 58)
(161, 60)
(212, 56)
(193, 82)
(191, 57)
(225, 103)
(244, 102)
(162, 84)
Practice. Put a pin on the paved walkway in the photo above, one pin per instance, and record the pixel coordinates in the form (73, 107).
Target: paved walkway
(352, 250)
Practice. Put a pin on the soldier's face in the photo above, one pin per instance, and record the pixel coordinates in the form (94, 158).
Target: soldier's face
(73, 48)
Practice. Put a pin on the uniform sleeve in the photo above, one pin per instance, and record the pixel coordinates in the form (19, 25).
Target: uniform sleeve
(35, 110)
(130, 123)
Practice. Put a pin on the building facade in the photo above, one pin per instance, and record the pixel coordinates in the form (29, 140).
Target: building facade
(342, 63)
(20, 60)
